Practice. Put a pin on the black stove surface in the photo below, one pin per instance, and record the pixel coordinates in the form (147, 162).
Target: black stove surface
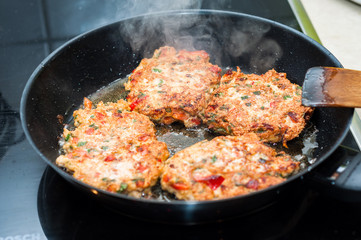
(36, 203)
(77, 217)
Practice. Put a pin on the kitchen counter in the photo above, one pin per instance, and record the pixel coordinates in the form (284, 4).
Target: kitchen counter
(338, 26)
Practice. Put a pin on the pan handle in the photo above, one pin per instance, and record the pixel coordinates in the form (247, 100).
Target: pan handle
(339, 176)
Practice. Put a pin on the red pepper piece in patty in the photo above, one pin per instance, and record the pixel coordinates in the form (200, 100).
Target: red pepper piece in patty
(166, 178)
(213, 181)
(293, 116)
(196, 121)
(144, 138)
(213, 107)
(180, 186)
(109, 158)
(136, 102)
(99, 115)
(252, 184)
(229, 71)
(141, 168)
(273, 104)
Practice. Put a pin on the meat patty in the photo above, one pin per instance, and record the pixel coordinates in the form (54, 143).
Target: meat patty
(173, 86)
(113, 149)
(224, 167)
(268, 105)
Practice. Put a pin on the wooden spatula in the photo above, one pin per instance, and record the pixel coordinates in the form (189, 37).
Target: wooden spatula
(332, 87)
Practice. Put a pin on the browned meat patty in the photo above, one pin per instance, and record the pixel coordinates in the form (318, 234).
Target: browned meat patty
(113, 149)
(268, 105)
(224, 167)
(173, 86)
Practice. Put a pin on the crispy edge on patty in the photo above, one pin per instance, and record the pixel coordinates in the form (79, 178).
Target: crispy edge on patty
(113, 149)
(224, 167)
(268, 105)
(173, 86)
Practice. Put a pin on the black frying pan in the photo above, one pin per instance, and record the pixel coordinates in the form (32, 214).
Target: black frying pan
(97, 58)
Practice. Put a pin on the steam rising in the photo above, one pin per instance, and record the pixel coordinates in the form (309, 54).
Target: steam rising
(227, 39)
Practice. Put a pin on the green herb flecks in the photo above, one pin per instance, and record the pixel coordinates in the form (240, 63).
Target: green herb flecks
(105, 179)
(244, 97)
(80, 144)
(67, 137)
(93, 126)
(122, 187)
(141, 95)
(224, 107)
(104, 148)
(220, 94)
(157, 70)
(221, 130)
(160, 83)
(229, 128)
(285, 97)
(138, 180)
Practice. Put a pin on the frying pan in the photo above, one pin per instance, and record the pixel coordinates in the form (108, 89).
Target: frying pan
(91, 61)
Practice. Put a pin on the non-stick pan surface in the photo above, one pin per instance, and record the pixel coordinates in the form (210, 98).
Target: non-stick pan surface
(93, 60)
